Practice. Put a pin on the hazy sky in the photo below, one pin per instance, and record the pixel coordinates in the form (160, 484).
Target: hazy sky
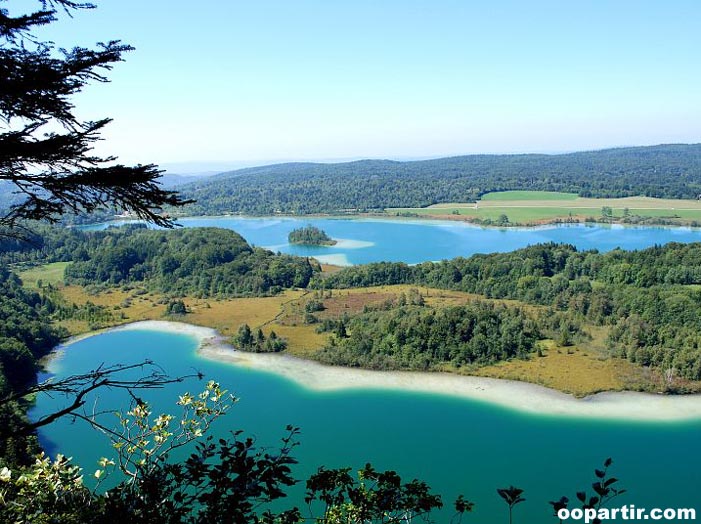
(261, 80)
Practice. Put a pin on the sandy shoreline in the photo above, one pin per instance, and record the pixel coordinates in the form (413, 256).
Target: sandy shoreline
(423, 219)
(520, 396)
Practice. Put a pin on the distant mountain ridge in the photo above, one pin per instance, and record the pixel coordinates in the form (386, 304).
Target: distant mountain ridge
(172, 180)
(668, 171)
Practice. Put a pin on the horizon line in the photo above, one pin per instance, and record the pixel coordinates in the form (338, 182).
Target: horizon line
(236, 165)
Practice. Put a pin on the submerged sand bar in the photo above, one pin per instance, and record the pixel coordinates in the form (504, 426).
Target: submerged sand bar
(520, 396)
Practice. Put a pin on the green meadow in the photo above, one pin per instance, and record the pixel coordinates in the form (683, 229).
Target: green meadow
(529, 195)
(47, 274)
(533, 207)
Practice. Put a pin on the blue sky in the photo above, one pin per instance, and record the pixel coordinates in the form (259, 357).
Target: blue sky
(258, 81)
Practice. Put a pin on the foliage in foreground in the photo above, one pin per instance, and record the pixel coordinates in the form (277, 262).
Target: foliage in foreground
(46, 149)
(229, 480)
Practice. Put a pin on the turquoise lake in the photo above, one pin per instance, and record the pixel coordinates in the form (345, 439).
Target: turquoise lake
(456, 445)
(375, 240)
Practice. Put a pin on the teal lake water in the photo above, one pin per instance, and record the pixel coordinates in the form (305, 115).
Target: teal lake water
(456, 445)
(374, 240)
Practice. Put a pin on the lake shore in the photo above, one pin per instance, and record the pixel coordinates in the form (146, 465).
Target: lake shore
(519, 396)
(533, 224)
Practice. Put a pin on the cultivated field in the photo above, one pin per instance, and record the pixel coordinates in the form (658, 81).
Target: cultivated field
(528, 195)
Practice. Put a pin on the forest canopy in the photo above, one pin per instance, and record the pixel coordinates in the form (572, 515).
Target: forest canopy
(668, 171)
(202, 262)
(649, 298)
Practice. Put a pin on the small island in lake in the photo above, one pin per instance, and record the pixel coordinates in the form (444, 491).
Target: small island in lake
(311, 236)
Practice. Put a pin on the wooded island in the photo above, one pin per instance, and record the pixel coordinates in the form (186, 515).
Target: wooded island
(310, 236)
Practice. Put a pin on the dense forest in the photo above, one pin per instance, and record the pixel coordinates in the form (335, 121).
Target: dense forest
(203, 262)
(26, 335)
(670, 171)
(650, 298)
(417, 337)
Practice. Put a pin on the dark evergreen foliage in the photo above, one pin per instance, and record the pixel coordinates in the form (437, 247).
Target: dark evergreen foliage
(45, 150)
(245, 340)
(176, 307)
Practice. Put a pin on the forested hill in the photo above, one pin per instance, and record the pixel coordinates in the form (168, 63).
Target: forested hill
(199, 262)
(671, 171)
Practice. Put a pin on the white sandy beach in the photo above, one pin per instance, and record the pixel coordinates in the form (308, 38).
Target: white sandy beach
(521, 396)
(347, 243)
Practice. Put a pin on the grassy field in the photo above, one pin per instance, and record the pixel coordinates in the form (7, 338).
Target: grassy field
(528, 195)
(124, 306)
(577, 370)
(48, 274)
(581, 369)
(533, 207)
